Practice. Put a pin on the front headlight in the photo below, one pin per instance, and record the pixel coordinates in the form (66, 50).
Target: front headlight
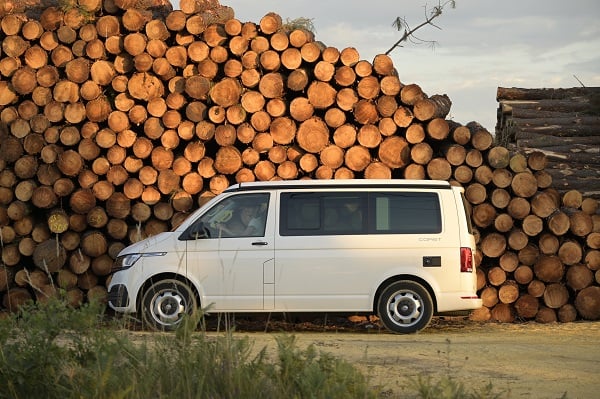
(126, 261)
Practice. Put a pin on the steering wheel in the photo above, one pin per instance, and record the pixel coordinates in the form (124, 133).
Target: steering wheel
(223, 217)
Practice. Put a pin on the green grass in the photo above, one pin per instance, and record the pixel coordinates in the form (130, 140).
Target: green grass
(51, 350)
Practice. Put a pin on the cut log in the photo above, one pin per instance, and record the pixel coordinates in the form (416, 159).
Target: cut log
(527, 306)
(549, 269)
(518, 208)
(271, 85)
(312, 135)
(228, 160)
(481, 314)
(49, 256)
(579, 277)
(357, 158)
(559, 223)
(548, 244)
(500, 198)
(523, 275)
(439, 169)
(502, 178)
(581, 224)
(524, 184)
(332, 156)
(567, 313)
(503, 313)
(509, 261)
(321, 94)
(508, 292)
(484, 215)
(532, 225)
(365, 112)
(475, 193)
(555, 295)
(587, 303)
(493, 245)
(536, 160)
(517, 239)
(528, 255)
(94, 243)
(394, 152)
(570, 252)
(546, 315)
(489, 296)
(369, 136)
(496, 276)
(543, 204)
(421, 153)
(536, 288)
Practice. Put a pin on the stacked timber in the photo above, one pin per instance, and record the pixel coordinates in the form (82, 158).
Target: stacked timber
(562, 123)
(116, 125)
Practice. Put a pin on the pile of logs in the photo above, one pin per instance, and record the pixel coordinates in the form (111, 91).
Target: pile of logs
(116, 124)
(564, 124)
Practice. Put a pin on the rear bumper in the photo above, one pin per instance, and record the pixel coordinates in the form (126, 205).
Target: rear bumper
(458, 302)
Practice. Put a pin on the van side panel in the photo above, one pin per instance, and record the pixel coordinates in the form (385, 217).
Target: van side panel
(343, 272)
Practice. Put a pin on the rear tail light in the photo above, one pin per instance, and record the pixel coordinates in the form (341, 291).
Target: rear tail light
(466, 260)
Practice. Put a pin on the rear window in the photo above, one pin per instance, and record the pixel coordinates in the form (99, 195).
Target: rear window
(349, 213)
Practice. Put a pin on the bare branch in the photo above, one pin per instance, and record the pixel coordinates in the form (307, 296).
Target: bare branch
(409, 34)
(580, 82)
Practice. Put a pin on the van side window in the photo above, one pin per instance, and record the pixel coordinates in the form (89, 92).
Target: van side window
(406, 213)
(323, 213)
(302, 212)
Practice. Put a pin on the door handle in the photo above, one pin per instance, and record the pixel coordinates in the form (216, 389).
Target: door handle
(260, 243)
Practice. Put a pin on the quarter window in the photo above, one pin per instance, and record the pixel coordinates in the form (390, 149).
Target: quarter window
(406, 213)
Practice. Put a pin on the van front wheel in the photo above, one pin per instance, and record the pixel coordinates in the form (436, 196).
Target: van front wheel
(165, 303)
(405, 307)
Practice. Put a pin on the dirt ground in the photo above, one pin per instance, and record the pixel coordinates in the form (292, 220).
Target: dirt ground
(526, 360)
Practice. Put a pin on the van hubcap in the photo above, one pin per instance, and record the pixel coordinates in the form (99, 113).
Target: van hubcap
(168, 307)
(405, 308)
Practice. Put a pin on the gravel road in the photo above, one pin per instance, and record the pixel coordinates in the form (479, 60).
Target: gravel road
(527, 360)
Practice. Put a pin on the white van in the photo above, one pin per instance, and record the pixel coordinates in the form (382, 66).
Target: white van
(401, 249)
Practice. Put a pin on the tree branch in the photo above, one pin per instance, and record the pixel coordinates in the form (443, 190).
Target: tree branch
(400, 23)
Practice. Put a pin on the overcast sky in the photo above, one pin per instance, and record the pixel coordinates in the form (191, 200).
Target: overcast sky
(482, 44)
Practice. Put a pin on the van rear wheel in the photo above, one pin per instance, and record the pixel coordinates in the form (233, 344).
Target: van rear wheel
(405, 307)
(165, 303)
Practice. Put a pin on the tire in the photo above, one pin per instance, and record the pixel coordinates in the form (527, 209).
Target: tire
(165, 303)
(405, 307)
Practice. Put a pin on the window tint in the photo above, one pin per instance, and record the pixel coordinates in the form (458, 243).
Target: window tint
(346, 213)
(323, 213)
(406, 213)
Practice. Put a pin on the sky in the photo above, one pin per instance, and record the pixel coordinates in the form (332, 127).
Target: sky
(480, 44)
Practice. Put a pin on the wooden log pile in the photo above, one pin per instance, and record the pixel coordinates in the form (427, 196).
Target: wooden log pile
(115, 124)
(564, 124)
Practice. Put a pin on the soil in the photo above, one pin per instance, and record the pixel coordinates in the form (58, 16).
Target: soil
(522, 360)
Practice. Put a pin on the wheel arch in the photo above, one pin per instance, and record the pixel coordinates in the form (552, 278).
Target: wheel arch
(165, 276)
(404, 277)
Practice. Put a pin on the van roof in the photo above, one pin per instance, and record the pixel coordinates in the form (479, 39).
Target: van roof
(340, 183)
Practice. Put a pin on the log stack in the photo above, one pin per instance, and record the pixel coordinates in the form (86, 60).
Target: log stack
(116, 124)
(564, 124)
